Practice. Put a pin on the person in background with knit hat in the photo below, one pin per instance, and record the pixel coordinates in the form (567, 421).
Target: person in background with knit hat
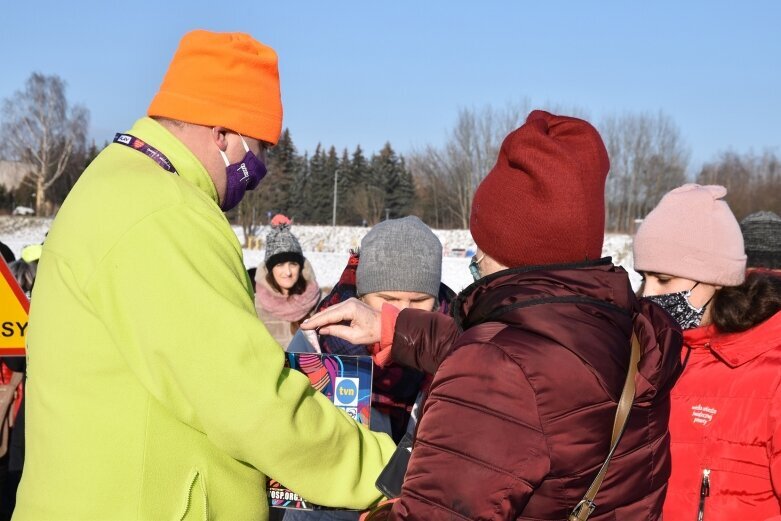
(286, 291)
(519, 418)
(762, 239)
(399, 264)
(154, 392)
(725, 421)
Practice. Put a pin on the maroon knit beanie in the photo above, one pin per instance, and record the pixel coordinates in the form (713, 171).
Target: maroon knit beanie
(544, 200)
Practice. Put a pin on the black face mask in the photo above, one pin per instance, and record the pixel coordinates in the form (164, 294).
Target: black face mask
(678, 306)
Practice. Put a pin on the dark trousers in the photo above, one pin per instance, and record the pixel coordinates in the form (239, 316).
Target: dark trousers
(9, 482)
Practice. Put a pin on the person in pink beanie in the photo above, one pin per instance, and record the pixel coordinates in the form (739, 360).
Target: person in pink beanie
(725, 419)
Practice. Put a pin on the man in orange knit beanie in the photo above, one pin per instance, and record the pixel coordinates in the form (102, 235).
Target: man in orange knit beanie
(154, 392)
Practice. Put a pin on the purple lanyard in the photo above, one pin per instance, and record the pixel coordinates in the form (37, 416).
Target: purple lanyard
(136, 144)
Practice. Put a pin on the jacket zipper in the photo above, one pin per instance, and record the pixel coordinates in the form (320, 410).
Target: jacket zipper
(194, 478)
(704, 493)
(187, 496)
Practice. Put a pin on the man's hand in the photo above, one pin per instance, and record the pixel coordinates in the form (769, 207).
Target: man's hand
(365, 323)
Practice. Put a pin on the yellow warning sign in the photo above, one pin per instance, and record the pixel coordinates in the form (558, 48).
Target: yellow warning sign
(14, 308)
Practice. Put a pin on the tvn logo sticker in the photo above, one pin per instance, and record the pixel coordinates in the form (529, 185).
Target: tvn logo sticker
(346, 392)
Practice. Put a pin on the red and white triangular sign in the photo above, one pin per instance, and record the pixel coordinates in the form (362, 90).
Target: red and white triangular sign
(14, 309)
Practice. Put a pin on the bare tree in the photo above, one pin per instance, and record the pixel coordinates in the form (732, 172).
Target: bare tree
(452, 172)
(39, 127)
(753, 182)
(445, 185)
(369, 202)
(647, 159)
(768, 183)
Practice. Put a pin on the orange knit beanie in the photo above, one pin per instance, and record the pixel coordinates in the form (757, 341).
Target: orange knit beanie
(226, 79)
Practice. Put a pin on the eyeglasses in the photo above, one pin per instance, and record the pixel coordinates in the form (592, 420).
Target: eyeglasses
(474, 267)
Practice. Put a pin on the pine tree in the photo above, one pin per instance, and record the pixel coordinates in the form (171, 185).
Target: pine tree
(359, 168)
(319, 188)
(361, 192)
(345, 214)
(283, 164)
(299, 202)
(390, 172)
(330, 168)
(375, 189)
(405, 197)
(386, 175)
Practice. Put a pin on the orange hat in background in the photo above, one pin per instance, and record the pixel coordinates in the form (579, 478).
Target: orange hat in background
(225, 79)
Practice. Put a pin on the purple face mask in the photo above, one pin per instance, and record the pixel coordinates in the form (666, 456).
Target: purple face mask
(242, 176)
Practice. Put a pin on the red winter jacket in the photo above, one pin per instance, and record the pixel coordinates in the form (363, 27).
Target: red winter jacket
(726, 418)
(519, 415)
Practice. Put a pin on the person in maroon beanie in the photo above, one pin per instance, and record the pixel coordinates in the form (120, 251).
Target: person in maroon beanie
(531, 364)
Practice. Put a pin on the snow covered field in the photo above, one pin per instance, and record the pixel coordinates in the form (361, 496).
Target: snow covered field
(327, 248)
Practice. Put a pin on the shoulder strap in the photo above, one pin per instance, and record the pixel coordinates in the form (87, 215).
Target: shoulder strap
(586, 506)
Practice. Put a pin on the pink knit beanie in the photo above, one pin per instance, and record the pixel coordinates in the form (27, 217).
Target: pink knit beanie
(692, 234)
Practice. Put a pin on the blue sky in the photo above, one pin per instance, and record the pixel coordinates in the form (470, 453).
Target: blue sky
(369, 72)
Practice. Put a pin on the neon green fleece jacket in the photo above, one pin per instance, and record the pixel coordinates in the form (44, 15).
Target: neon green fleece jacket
(154, 392)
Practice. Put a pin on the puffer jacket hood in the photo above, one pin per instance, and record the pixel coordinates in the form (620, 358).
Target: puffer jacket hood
(504, 295)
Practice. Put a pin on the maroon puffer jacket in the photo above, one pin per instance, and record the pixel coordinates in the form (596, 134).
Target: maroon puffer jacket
(519, 416)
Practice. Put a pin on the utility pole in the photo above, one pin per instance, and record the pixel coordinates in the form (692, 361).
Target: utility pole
(336, 195)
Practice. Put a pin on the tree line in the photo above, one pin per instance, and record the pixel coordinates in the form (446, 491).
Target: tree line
(329, 187)
(649, 156)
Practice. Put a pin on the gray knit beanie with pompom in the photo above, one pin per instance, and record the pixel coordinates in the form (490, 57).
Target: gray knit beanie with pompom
(282, 246)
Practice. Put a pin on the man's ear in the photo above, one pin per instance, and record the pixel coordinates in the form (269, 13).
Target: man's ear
(220, 137)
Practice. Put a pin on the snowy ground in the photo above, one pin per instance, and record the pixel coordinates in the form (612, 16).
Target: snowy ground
(327, 248)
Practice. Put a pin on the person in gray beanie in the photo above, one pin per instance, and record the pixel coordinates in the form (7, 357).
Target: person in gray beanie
(286, 290)
(762, 240)
(400, 256)
(399, 264)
